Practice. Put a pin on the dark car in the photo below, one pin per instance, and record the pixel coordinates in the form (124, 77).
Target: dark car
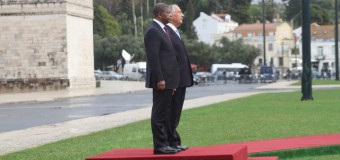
(245, 76)
(268, 74)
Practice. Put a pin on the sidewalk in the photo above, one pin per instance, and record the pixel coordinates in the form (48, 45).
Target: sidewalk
(36, 136)
(107, 87)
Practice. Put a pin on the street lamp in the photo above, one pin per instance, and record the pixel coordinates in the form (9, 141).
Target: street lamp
(264, 33)
(336, 42)
(306, 83)
(282, 60)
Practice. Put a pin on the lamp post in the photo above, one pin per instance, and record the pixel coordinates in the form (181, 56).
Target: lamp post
(336, 42)
(282, 52)
(306, 84)
(264, 33)
(295, 51)
(296, 63)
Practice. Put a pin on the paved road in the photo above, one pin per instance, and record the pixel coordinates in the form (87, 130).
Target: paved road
(18, 116)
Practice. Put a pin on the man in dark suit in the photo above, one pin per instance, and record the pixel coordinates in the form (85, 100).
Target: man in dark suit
(162, 75)
(186, 79)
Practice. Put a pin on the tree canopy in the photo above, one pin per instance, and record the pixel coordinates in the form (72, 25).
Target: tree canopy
(114, 27)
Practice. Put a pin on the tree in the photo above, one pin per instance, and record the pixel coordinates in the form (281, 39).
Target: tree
(321, 11)
(104, 24)
(108, 50)
(239, 10)
(237, 51)
(124, 16)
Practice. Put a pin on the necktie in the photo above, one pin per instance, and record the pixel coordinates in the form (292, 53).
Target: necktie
(166, 32)
(177, 32)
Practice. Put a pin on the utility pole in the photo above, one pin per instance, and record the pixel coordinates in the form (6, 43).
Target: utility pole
(336, 41)
(306, 85)
(264, 33)
(134, 17)
(142, 18)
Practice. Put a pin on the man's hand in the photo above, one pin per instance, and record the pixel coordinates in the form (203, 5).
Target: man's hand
(173, 91)
(161, 85)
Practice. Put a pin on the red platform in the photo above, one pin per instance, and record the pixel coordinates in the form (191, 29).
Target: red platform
(193, 153)
(236, 151)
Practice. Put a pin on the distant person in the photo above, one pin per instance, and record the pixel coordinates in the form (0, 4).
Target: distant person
(162, 75)
(186, 78)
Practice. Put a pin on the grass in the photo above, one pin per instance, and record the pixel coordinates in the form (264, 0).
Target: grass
(319, 153)
(319, 82)
(263, 116)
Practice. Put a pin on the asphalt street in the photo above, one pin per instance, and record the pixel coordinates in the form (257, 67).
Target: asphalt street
(18, 116)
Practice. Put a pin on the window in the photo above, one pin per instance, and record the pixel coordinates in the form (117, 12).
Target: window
(204, 23)
(260, 47)
(270, 47)
(320, 51)
(280, 61)
(260, 61)
(134, 69)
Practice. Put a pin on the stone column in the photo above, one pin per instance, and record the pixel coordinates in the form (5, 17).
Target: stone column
(45, 42)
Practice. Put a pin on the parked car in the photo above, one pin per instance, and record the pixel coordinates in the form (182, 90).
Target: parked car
(245, 76)
(268, 74)
(111, 75)
(203, 77)
(98, 74)
(195, 79)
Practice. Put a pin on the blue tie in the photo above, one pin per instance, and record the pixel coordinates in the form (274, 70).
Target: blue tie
(177, 32)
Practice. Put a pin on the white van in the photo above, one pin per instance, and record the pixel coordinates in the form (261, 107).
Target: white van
(135, 71)
(230, 71)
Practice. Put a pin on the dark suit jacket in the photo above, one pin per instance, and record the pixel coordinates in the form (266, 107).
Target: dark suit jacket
(161, 58)
(186, 79)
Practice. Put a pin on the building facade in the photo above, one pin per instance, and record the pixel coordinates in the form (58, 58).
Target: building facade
(279, 43)
(207, 26)
(322, 50)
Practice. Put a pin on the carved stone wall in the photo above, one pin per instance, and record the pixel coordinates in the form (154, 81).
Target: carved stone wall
(46, 42)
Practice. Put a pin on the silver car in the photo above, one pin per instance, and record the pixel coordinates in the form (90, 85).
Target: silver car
(111, 75)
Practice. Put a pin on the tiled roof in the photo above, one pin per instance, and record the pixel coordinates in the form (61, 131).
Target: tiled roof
(256, 28)
(322, 31)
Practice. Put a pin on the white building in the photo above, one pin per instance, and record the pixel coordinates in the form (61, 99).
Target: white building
(279, 42)
(322, 48)
(207, 26)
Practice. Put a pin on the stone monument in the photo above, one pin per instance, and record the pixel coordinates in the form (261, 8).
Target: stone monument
(46, 44)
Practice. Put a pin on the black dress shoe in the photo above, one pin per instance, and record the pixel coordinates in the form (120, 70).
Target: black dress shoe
(165, 150)
(180, 147)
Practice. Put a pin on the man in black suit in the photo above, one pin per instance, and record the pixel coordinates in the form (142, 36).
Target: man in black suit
(162, 75)
(186, 79)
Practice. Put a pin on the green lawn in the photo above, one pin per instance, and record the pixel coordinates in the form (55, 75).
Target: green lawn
(319, 153)
(320, 82)
(263, 116)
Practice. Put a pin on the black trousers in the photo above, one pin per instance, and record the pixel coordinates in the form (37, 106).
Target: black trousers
(160, 117)
(165, 117)
(175, 115)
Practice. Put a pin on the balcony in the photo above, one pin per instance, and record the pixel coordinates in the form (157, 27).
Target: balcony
(319, 57)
